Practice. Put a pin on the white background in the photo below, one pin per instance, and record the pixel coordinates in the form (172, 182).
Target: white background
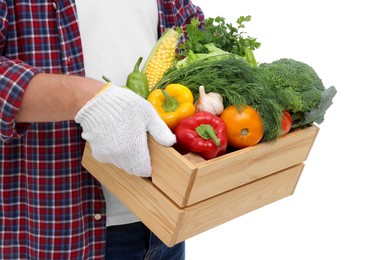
(340, 208)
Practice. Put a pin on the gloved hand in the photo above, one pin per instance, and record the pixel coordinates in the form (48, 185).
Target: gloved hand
(115, 124)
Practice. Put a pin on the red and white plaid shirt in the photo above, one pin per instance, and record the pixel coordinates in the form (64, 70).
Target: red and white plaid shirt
(50, 206)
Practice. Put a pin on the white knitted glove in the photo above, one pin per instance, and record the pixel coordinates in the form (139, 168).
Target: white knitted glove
(115, 124)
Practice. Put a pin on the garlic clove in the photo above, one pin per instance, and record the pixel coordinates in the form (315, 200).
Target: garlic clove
(211, 102)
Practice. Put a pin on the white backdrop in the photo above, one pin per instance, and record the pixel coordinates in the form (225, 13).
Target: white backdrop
(340, 209)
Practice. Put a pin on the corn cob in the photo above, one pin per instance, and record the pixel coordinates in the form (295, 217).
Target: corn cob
(161, 57)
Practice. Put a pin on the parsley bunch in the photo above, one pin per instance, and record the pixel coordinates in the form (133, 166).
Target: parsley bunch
(223, 35)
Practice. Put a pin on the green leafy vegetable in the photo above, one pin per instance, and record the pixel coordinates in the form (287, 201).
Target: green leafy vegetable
(298, 89)
(213, 53)
(225, 36)
(317, 115)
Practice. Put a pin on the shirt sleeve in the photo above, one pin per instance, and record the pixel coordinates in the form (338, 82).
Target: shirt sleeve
(14, 78)
(178, 13)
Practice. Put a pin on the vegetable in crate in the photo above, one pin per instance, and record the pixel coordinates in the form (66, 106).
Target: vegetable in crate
(211, 102)
(286, 122)
(226, 36)
(244, 126)
(298, 89)
(236, 81)
(173, 103)
(203, 133)
(137, 81)
(213, 53)
(161, 57)
(250, 57)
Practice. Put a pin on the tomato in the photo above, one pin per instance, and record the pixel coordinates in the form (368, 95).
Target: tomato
(244, 128)
(286, 122)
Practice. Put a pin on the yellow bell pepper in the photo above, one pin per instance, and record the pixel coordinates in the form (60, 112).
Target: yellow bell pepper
(173, 103)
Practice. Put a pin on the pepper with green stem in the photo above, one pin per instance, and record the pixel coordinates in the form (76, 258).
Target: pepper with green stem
(203, 133)
(173, 103)
(137, 81)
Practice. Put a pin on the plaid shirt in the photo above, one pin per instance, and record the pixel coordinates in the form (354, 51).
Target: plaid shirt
(50, 206)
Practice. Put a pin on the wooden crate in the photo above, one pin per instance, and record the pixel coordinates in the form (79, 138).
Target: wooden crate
(188, 195)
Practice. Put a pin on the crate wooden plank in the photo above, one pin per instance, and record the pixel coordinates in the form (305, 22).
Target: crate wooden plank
(208, 178)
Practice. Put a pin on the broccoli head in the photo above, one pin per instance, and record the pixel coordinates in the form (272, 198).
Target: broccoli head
(297, 88)
(296, 85)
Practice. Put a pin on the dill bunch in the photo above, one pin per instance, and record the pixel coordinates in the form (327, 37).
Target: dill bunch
(236, 81)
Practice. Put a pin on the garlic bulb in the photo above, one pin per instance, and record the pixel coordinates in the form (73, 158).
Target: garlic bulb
(211, 102)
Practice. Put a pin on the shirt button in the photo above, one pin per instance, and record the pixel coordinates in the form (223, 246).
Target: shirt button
(98, 216)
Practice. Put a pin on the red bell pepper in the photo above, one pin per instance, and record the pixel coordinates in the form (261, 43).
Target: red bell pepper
(203, 133)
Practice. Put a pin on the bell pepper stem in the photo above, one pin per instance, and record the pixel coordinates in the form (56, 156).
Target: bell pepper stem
(206, 131)
(136, 66)
(170, 104)
(106, 78)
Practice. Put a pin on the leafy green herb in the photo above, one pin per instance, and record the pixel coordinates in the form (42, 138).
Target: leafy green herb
(226, 36)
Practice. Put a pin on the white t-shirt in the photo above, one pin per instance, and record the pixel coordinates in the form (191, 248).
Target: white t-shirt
(114, 35)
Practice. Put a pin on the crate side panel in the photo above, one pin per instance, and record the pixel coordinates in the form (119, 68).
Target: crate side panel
(252, 163)
(234, 203)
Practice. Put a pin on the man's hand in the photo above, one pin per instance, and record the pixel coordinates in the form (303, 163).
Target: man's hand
(116, 122)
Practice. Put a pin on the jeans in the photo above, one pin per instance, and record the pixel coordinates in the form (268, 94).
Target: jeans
(135, 242)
